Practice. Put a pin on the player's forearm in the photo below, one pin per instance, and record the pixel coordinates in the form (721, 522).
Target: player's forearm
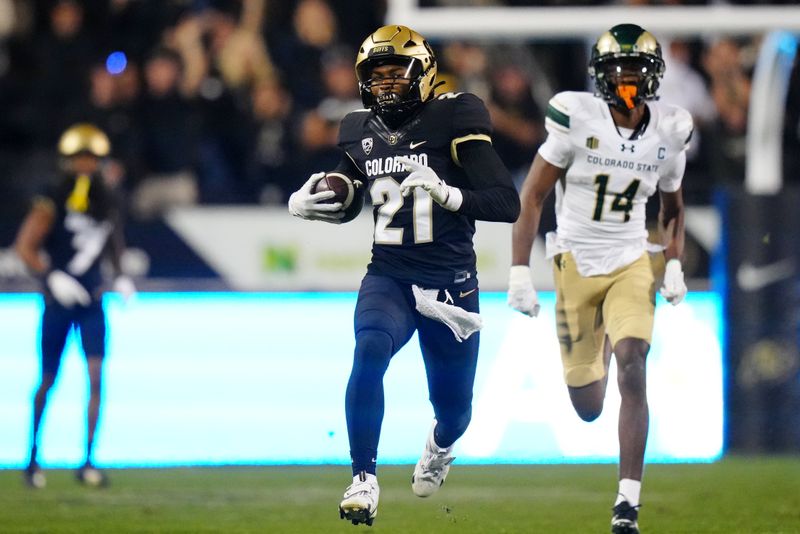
(496, 204)
(492, 196)
(524, 233)
(673, 224)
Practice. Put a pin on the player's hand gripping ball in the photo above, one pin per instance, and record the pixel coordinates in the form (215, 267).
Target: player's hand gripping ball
(349, 192)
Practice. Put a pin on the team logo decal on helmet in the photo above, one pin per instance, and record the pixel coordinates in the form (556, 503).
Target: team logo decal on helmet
(401, 46)
(626, 66)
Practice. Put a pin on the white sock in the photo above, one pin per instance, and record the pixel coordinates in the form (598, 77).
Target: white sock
(629, 490)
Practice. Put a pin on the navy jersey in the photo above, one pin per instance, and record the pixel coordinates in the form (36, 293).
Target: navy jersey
(85, 217)
(416, 240)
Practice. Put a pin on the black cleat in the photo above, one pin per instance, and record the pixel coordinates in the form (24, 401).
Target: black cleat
(624, 520)
(34, 477)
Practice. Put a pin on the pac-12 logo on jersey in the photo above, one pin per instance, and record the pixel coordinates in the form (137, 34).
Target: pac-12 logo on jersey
(366, 144)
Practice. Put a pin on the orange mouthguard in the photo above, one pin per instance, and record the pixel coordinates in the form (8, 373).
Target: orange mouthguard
(627, 93)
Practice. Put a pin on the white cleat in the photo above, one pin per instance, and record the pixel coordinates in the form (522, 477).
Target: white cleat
(432, 467)
(34, 477)
(360, 502)
(91, 476)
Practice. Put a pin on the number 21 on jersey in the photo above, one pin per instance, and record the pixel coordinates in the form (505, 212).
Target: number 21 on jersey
(386, 196)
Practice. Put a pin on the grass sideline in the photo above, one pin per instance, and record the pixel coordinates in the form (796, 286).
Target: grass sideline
(736, 495)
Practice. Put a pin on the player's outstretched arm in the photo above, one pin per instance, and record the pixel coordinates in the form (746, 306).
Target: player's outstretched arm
(540, 181)
(312, 206)
(671, 223)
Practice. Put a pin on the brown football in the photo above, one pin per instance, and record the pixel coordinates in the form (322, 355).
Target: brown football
(340, 184)
(347, 191)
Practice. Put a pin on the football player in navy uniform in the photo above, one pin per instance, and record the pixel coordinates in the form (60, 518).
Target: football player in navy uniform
(75, 224)
(431, 172)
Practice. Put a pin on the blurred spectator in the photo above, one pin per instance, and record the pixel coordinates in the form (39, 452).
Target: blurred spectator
(517, 119)
(271, 173)
(791, 132)
(341, 94)
(236, 60)
(318, 150)
(467, 62)
(684, 86)
(730, 89)
(63, 56)
(168, 124)
(298, 52)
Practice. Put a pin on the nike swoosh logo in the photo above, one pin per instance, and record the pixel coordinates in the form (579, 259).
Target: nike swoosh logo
(415, 145)
(752, 278)
(462, 294)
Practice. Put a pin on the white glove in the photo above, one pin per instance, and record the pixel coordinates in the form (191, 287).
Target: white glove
(307, 205)
(674, 288)
(66, 290)
(448, 197)
(521, 294)
(125, 287)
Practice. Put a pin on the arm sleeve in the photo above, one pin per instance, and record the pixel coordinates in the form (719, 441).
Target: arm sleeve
(347, 167)
(492, 196)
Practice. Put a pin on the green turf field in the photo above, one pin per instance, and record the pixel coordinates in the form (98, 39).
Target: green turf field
(736, 495)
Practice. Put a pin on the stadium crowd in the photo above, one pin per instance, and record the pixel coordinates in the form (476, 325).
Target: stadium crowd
(238, 101)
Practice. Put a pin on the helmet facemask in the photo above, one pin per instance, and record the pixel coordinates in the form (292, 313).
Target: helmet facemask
(626, 66)
(391, 86)
(627, 80)
(414, 68)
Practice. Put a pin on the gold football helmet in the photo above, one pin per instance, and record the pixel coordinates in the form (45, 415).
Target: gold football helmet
(84, 138)
(626, 66)
(401, 46)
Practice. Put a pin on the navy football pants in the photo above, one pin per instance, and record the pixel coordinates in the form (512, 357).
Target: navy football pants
(57, 321)
(385, 319)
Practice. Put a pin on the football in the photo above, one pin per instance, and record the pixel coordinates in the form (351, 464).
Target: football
(348, 191)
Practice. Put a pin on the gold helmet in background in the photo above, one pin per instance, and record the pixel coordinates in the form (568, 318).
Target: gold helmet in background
(396, 45)
(84, 138)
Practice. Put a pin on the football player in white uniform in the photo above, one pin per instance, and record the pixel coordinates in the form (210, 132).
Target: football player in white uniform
(605, 155)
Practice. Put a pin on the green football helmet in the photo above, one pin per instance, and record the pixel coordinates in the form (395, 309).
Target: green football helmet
(626, 66)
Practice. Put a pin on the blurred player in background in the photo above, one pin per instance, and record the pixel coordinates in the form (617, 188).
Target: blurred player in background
(75, 224)
(422, 276)
(605, 155)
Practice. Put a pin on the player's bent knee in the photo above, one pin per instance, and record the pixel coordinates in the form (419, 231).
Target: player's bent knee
(373, 344)
(588, 400)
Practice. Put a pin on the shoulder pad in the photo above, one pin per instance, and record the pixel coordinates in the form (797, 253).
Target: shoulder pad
(564, 106)
(469, 114)
(676, 124)
(352, 125)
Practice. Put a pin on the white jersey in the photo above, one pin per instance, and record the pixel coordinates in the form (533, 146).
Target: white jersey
(600, 204)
